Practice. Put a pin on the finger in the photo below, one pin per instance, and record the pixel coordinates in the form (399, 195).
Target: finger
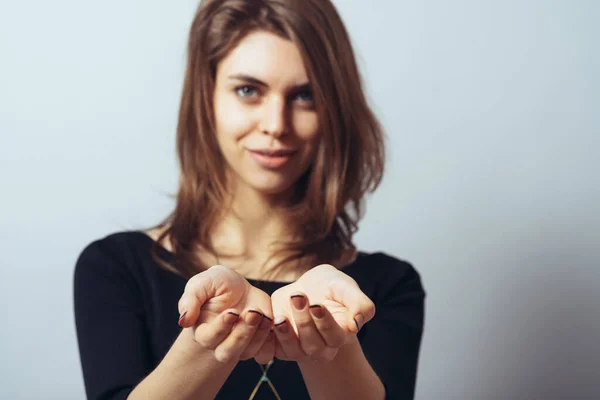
(326, 325)
(360, 307)
(189, 310)
(310, 339)
(234, 344)
(267, 352)
(211, 334)
(198, 290)
(261, 301)
(362, 311)
(259, 338)
(287, 345)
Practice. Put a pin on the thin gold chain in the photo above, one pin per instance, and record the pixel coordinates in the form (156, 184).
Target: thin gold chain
(265, 370)
(265, 378)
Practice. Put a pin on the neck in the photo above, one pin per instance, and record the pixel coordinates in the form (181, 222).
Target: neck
(251, 223)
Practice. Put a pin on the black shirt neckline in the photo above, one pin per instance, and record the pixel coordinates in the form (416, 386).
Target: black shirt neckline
(346, 269)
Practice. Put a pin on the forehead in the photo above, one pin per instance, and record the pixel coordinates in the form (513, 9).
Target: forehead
(268, 57)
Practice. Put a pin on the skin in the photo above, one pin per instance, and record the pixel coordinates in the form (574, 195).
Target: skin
(225, 319)
(263, 100)
(318, 314)
(279, 114)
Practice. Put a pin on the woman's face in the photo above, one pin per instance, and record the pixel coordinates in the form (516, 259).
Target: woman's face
(266, 122)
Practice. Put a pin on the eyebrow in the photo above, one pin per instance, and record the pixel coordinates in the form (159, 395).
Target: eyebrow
(256, 81)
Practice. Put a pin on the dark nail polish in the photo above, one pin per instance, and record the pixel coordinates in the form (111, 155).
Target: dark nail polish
(231, 317)
(283, 327)
(299, 301)
(359, 321)
(317, 311)
(181, 317)
(265, 324)
(253, 317)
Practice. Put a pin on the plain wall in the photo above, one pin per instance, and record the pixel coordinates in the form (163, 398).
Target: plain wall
(492, 188)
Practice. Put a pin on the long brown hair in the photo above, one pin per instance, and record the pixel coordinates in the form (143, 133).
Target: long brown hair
(349, 160)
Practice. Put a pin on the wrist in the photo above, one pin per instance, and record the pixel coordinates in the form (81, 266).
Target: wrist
(344, 353)
(188, 371)
(348, 375)
(188, 351)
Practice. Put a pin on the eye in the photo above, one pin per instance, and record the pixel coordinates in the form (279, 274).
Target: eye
(304, 96)
(246, 91)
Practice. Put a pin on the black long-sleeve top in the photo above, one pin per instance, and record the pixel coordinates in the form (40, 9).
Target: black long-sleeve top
(126, 317)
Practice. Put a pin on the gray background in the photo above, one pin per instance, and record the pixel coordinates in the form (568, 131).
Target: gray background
(492, 191)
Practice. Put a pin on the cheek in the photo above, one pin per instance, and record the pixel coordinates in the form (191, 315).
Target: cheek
(306, 126)
(233, 121)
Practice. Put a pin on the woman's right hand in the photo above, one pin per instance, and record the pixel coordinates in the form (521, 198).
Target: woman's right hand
(226, 314)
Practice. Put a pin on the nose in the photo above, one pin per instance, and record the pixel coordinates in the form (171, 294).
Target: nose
(273, 119)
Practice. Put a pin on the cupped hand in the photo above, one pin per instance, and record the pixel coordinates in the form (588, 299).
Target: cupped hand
(318, 314)
(228, 315)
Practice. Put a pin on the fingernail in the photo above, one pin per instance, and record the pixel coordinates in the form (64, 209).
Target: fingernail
(299, 301)
(231, 317)
(359, 321)
(181, 317)
(253, 317)
(317, 311)
(282, 326)
(265, 324)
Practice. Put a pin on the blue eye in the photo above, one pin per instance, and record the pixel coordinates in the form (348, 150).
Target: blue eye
(246, 91)
(304, 96)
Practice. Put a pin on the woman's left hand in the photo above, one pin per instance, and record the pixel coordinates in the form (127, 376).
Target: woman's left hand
(318, 314)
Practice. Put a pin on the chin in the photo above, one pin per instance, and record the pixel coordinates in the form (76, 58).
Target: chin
(271, 188)
(270, 183)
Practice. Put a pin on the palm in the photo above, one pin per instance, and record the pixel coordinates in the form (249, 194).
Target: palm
(231, 291)
(324, 285)
(338, 310)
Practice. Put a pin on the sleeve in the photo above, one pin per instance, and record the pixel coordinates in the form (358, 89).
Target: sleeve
(392, 339)
(109, 318)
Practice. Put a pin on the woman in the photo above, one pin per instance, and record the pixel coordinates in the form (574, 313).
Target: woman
(277, 148)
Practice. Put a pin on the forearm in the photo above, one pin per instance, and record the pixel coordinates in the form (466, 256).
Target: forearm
(188, 371)
(349, 375)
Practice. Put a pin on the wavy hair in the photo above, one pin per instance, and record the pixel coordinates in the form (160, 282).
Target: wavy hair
(349, 161)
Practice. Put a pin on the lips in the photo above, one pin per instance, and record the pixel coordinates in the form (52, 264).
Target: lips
(274, 153)
(270, 158)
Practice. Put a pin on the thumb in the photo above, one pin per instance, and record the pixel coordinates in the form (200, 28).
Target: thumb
(198, 290)
(361, 308)
(280, 306)
(362, 312)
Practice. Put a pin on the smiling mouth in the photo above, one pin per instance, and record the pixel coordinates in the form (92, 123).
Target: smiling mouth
(274, 153)
(272, 159)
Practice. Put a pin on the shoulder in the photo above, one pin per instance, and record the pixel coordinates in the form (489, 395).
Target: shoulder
(380, 275)
(110, 276)
(381, 265)
(116, 253)
(117, 245)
